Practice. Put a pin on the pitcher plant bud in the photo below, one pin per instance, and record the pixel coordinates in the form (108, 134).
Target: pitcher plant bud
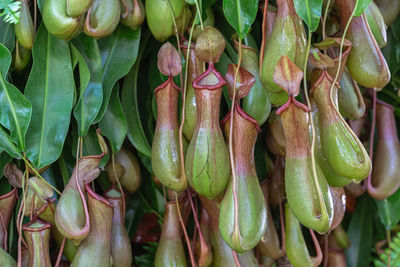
(210, 45)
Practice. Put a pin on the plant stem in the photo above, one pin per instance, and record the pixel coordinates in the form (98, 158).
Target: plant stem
(324, 20)
(233, 168)
(191, 255)
(263, 33)
(119, 184)
(37, 173)
(199, 14)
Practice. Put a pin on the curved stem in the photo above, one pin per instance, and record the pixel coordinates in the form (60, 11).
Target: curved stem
(119, 184)
(318, 258)
(38, 174)
(196, 219)
(83, 199)
(236, 259)
(324, 20)
(125, 14)
(232, 162)
(341, 52)
(60, 253)
(191, 255)
(181, 153)
(264, 35)
(183, 116)
(311, 122)
(81, 147)
(199, 14)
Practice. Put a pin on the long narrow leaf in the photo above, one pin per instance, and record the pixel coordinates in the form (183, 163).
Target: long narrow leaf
(360, 233)
(114, 125)
(130, 107)
(50, 89)
(90, 71)
(15, 109)
(118, 54)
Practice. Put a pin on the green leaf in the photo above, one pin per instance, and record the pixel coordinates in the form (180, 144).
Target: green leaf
(50, 89)
(118, 54)
(360, 233)
(15, 109)
(90, 72)
(389, 210)
(130, 107)
(309, 11)
(240, 14)
(360, 6)
(7, 145)
(7, 35)
(114, 125)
